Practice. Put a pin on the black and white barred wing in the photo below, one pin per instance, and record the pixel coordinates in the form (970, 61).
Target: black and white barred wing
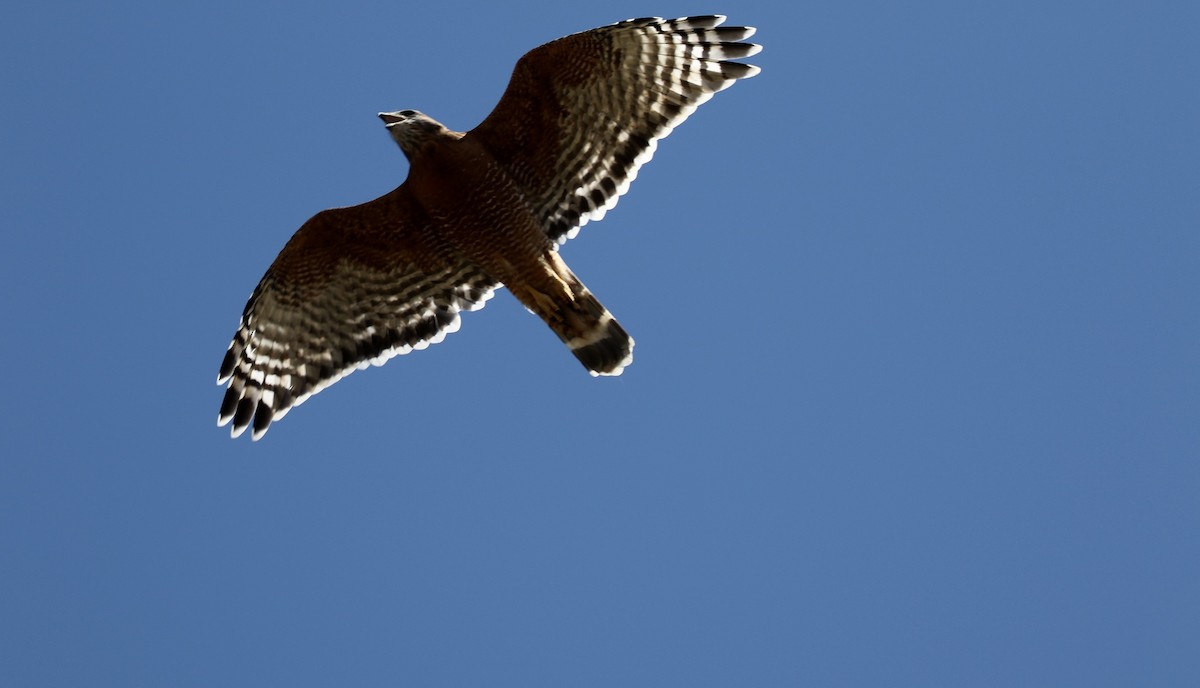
(335, 301)
(583, 113)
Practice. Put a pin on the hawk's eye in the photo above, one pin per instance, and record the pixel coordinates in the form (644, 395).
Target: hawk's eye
(407, 113)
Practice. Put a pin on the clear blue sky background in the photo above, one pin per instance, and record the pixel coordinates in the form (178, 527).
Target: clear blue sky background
(916, 399)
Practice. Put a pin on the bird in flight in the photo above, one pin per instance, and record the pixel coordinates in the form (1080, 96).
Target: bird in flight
(479, 210)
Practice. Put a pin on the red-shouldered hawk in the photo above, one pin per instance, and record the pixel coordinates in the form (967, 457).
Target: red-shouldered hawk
(483, 209)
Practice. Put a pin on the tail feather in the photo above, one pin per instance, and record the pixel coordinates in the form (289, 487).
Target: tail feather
(579, 320)
(600, 343)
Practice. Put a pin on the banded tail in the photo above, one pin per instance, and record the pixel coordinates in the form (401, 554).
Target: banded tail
(595, 337)
(583, 323)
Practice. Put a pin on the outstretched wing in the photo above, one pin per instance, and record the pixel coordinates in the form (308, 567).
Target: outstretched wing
(352, 288)
(581, 114)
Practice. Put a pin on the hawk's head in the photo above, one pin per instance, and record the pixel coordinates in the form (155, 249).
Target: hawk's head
(411, 129)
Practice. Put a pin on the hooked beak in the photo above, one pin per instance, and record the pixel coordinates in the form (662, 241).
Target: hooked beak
(390, 118)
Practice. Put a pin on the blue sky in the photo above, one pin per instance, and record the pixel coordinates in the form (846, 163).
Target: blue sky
(915, 398)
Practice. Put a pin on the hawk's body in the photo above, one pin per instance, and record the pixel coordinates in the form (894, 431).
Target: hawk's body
(356, 286)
